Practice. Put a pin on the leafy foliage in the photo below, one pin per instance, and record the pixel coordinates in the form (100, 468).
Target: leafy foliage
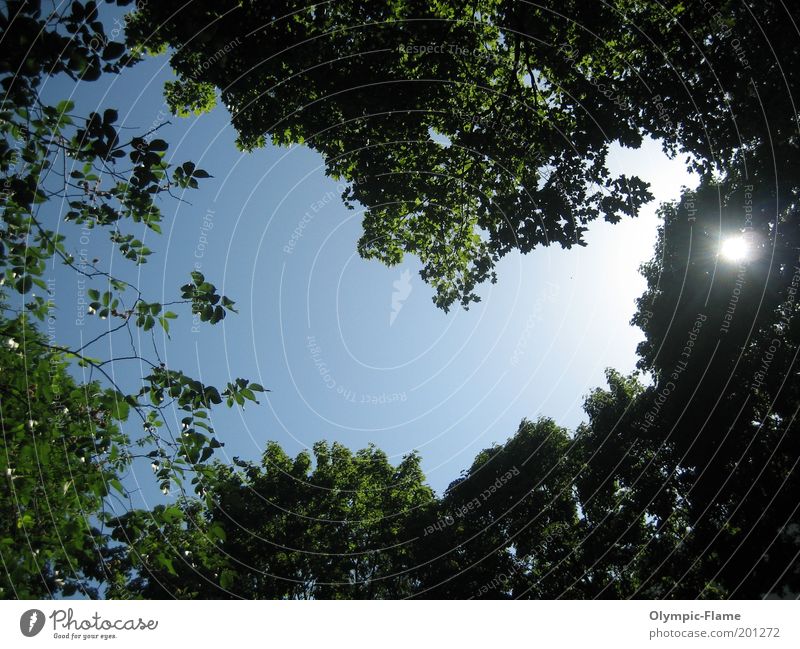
(726, 353)
(283, 529)
(467, 132)
(60, 171)
(525, 162)
(63, 450)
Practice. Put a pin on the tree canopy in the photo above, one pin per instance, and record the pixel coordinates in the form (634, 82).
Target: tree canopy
(466, 132)
(65, 175)
(376, 87)
(469, 131)
(63, 455)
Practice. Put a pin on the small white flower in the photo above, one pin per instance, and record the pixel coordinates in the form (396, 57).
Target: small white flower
(12, 344)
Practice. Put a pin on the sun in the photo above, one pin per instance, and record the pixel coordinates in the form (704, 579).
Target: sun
(734, 248)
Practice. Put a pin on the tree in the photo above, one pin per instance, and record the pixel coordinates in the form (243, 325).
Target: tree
(613, 464)
(491, 135)
(630, 494)
(63, 174)
(470, 131)
(62, 456)
(612, 511)
(356, 527)
(508, 527)
(721, 344)
(369, 85)
(284, 530)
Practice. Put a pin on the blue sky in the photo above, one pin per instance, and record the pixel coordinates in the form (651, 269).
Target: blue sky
(354, 351)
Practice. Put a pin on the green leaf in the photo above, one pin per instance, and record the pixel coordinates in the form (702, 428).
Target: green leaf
(166, 562)
(24, 284)
(226, 578)
(65, 106)
(171, 514)
(216, 531)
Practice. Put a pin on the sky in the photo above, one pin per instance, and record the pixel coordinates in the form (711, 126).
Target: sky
(351, 350)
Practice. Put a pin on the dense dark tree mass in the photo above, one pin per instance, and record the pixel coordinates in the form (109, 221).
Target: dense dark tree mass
(466, 131)
(529, 98)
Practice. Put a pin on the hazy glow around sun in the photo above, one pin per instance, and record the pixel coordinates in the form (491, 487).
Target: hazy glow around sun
(734, 248)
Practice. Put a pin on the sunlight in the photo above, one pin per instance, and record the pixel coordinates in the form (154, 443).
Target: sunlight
(735, 248)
